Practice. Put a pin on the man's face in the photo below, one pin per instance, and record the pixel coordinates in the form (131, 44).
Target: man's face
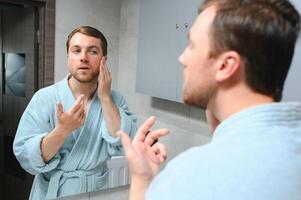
(198, 73)
(84, 57)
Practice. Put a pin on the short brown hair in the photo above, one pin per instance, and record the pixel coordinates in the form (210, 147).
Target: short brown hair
(90, 31)
(263, 33)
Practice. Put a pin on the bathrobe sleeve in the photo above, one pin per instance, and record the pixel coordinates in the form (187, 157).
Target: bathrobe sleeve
(128, 125)
(36, 122)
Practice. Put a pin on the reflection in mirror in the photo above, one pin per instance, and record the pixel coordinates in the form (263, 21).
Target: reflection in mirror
(65, 139)
(68, 131)
(118, 20)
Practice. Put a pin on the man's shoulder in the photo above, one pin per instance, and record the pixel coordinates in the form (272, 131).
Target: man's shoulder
(49, 90)
(196, 173)
(191, 155)
(180, 175)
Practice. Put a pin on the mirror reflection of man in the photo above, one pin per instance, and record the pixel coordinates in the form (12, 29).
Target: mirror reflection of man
(235, 66)
(68, 130)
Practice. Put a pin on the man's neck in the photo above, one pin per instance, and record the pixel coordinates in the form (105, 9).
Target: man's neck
(78, 88)
(229, 103)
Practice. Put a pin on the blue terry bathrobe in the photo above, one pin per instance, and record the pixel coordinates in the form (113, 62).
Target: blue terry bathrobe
(80, 164)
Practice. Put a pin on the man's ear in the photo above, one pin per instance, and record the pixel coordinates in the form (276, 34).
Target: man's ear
(228, 64)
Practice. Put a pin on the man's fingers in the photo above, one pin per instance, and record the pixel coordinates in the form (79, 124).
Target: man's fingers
(160, 151)
(107, 74)
(82, 118)
(78, 104)
(59, 107)
(153, 136)
(126, 141)
(144, 129)
(103, 61)
(80, 112)
(102, 64)
(101, 72)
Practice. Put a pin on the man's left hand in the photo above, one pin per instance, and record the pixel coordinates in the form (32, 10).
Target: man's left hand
(104, 80)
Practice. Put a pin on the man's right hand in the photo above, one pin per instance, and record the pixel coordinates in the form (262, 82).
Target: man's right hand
(67, 122)
(144, 155)
(73, 118)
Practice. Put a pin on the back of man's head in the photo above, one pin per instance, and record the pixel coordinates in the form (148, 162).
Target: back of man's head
(263, 32)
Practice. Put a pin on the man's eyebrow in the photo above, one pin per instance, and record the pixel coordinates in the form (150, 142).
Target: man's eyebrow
(88, 47)
(75, 46)
(93, 46)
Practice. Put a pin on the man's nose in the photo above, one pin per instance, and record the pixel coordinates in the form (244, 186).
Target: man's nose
(182, 57)
(83, 56)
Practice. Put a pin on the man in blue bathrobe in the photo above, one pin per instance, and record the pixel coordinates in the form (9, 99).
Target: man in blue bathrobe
(68, 130)
(235, 65)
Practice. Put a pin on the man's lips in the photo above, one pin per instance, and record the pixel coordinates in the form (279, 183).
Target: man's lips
(83, 67)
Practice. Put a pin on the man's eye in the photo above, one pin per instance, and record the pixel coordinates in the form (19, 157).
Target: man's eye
(93, 52)
(75, 51)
